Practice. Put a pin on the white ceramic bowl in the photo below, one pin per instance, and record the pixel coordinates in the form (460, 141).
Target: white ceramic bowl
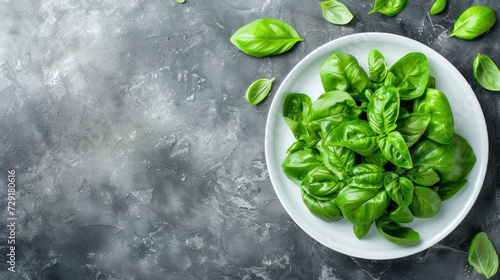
(469, 122)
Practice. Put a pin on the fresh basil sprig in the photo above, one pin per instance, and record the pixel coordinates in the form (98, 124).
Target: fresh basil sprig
(265, 37)
(438, 7)
(473, 22)
(258, 90)
(486, 73)
(482, 255)
(389, 7)
(336, 12)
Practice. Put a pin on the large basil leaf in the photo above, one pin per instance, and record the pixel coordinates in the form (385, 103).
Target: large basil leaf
(376, 158)
(299, 163)
(326, 210)
(332, 109)
(362, 206)
(483, 256)
(413, 127)
(394, 148)
(441, 126)
(389, 7)
(394, 232)
(297, 114)
(321, 183)
(423, 176)
(410, 75)
(341, 71)
(438, 7)
(377, 66)
(356, 135)
(473, 22)
(369, 176)
(383, 110)
(448, 190)
(486, 73)
(265, 37)
(426, 202)
(451, 162)
(400, 190)
(401, 215)
(336, 12)
(361, 230)
(336, 158)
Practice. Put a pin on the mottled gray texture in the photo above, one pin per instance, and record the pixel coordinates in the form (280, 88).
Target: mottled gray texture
(138, 157)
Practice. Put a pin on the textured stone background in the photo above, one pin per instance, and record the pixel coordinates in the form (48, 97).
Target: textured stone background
(137, 156)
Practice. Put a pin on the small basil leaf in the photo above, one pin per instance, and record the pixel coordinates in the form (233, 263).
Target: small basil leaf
(321, 183)
(341, 71)
(411, 74)
(297, 114)
(389, 7)
(265, 37)
(473, 22)
(426, 202)
(486, 73)
(298, 164)
(438, 7)
(401, 191)
(394, 148)
(377, 66)
(394, 232)
(441, 126)
(362, 206)
(356, 135)
(483, 256)
(336, 12)
(361, 230)
(383, 110)
(180, 1)
(369, 176)
(258, 90)
(326, 210)
(448, 190)
(413, 127)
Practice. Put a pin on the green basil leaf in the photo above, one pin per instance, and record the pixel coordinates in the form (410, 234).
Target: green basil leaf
(426, 202)
(401, 215)
(369, 176)
(413, 127)
(326, 210)
(441, 127)
(394, 232)
(265, 37)
(377, 158)
(356, 135)
(377, 66)
(473, 22)
(297, 145)
(336, 12)
(394, 148)
(341, 71)
(483, 256)
(362, 206)
(486, 73)
(431, 83)
(448, 190)
(438, 7)
(383, 110)
(361, 230)
(411, 74)
(321, 183)
(423, 176)
(180, 1)
(389, 7)
(298, 164)
(401, 191)
(258, 90)
(336, 158)
(297, 114)
(452, 162)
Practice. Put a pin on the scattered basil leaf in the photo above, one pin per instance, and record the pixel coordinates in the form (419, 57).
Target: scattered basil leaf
(180, 1)
(486, 73)
(377, 66)
(473, 22)
(438, 7)
(483, 256)
(394, 232)
(389, 7)
(258, 90)
(336, 12)
(265, 37)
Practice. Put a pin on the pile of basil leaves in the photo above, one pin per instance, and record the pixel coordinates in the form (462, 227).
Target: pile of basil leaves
(377, 147)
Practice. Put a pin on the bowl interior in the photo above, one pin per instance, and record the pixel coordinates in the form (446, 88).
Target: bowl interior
(469, 122)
